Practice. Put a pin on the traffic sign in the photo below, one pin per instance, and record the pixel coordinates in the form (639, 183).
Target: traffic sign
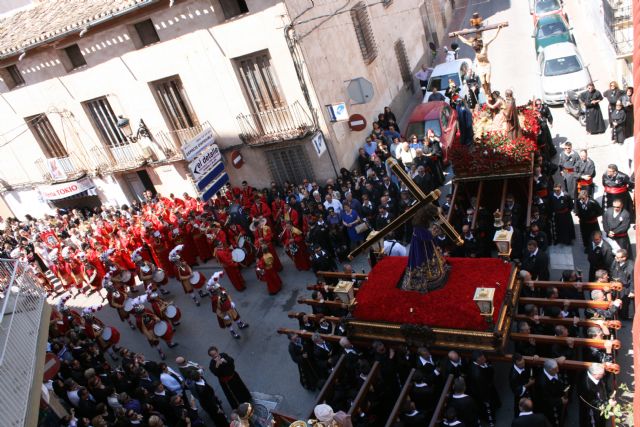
(318, 144)
(215, 187)
(51, 366)
(217, 170)
(205, 162)
(357, 122)
(203, 140)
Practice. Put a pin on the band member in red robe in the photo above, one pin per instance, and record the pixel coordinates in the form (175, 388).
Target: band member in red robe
(178, 236)
(146, 322)
(75, 266)
(223, 307)
(62, 271)
(200, 240)
(164, 310)
(247, 195)
(90, 273)
(263, 236)
(117, 299)
(260, 209)
(295, 247)
(160, 253)
(239, 239)
(231, 268)
(94, 328)
(266, 271)
(183, 272)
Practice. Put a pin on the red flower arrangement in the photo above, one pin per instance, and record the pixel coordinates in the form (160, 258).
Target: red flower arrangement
(494, 152)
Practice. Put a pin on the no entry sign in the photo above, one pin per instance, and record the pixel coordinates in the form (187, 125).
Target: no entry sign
(357, 122)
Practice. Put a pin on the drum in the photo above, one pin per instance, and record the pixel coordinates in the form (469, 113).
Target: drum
(128, 305)
(111, 335)
(160, 328)
(197, 280)
(238, 255)
(171, 311)
(159, 275)
(125, 276)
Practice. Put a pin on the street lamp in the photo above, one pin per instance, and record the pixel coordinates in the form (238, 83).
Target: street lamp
(125, 127)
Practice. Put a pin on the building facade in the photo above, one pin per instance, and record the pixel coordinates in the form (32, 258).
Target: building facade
(258, 73)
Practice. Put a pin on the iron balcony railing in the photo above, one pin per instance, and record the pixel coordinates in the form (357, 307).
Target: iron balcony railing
(22, 302)
(61, 168)
(618, 25)
(275, 125)
(171, 142)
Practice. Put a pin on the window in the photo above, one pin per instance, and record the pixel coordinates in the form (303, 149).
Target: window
(232, 8)
(174, 103)
(403, 62)
(12, 77)
(289, 164)
(105, 121)
(364, 33)
(146, 32)
(76, 59)
(46, 136)
(259, 81)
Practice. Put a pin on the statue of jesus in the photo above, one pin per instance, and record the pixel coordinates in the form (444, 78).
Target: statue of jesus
(483, 66)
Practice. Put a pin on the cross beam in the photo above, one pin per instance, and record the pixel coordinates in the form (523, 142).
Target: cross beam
(421, 200)
(478, 30)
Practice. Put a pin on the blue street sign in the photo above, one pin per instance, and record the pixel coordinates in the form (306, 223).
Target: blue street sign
(217, 185)
(217, 169)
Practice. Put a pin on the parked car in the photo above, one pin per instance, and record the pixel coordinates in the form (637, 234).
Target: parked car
(551, 29)
(454, 70)
(547, 7)
(439, 117)
(561, 69)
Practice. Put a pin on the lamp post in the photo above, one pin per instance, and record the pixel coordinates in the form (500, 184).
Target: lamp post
(125, 127)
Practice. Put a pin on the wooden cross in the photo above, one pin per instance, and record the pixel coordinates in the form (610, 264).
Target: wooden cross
(421, 200)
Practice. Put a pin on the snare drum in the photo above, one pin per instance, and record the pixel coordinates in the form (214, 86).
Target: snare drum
(160, 328)
(197, 280)
(159, 276)
(111, 335)
(171, 312)
(238, 255)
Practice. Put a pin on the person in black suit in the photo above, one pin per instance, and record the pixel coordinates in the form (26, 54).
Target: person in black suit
(527, 418)
(424, 180)
(451, 418)
(536, 261)
(423, 394)
(453, 365)
(550, 395)
(427, 365)
(588, 211)
(520, 381)
(600, 255)
(482, 388)
(622, 271)
(464, 405)
(592, 392)
(616, 222)
(208, 400)
(413, 417)
(322, 353)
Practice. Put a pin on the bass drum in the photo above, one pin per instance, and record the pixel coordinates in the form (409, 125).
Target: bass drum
(173, 313)
(197, 280)
(159, 277)
(111, 335)
(163, 330)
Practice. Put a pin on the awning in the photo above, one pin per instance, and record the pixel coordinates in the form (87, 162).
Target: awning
(73, 189)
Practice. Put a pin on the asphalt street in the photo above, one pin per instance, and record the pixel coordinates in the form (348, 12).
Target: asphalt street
(261, 354)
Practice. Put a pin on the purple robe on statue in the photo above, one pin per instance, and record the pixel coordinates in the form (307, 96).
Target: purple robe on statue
(421, 248)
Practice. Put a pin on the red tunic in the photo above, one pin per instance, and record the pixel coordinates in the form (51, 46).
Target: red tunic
(231, 268)
(188, 252)
(301, 257)
(270, 275)
(63, 271)
(263, 235)
(160, 255)
(202, 246)
(225, 312)
(93, 275)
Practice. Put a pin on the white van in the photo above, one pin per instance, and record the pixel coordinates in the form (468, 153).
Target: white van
(442, 73)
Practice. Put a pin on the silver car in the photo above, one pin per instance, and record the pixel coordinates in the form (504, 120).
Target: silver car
(561, 69)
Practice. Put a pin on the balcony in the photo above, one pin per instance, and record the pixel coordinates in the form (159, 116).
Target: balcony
(61, 168)
(171, 142)
(618, 25)
(24, 319)
(279, 124)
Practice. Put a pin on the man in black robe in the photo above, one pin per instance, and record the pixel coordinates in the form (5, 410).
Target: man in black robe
(616, 222)
(482, 388)
(453, 365)
(600, 255)
(616, 186)
(208, 400)
(527, 418)
(568, 164)
(521, 381)
(465, 405)
(588, 211)
(550, 395)
(586, 171)
(591, 98)
(223, 367)
(539, 236)
(301, 354)
(536, 261)
(622, 271)
(592, 393)
(545, 120)
(562, 230)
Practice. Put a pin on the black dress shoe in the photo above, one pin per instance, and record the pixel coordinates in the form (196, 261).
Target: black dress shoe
(173, 344)
(235, 335)
(243, 325)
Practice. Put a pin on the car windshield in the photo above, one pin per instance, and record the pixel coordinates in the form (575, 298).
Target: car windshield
(442, 82)
(420, 128)
(546, 6)
(559, 66)
(551, 29)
